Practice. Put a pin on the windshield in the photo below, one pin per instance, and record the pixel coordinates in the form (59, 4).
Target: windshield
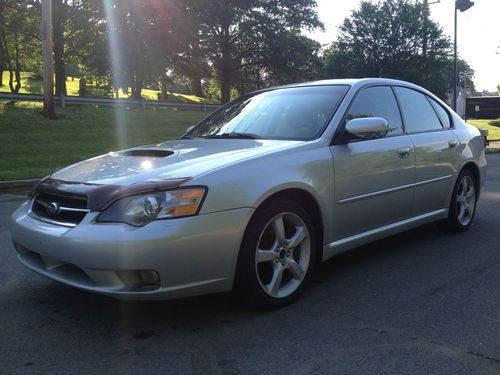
(299, 113)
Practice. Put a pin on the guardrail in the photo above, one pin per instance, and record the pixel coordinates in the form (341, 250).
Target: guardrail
(79, 100)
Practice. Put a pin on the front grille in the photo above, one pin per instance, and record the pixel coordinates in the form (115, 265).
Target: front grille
(60, 210)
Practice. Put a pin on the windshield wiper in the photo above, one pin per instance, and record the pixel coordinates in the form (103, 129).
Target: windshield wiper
(235, 135)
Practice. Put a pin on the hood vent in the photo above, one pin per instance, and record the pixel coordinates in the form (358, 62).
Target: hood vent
(148, 153)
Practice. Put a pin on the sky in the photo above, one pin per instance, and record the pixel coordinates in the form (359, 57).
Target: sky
(478, 33)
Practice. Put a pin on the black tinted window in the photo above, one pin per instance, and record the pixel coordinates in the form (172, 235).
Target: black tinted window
(442, 113)
(417, 111)
(377, 102)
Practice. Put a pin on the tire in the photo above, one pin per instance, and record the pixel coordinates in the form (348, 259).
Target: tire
(463, 203)
(277, 255)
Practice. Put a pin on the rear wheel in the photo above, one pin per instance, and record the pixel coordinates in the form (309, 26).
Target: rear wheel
(463, 203)
(277, 255)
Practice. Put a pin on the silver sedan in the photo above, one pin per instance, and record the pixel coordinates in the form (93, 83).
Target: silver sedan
(255, 195)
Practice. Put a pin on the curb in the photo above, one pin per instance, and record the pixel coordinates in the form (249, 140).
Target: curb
(16, 184)
(493, 147)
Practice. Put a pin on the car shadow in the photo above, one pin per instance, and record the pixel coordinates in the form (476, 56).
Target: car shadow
(220, 307)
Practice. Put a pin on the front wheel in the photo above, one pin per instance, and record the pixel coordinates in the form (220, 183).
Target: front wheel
(463, 203)
(277, 255)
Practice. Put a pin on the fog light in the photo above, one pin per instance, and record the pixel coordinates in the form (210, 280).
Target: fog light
(149, 277)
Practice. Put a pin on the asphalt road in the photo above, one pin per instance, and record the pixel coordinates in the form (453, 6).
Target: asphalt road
(421, 302)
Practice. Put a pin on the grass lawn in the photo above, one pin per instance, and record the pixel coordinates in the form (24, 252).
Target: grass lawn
(29, 86)
(494, 131)
(32, 146)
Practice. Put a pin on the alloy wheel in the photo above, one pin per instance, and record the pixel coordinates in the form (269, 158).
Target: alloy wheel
(466, 200)
(283, 255)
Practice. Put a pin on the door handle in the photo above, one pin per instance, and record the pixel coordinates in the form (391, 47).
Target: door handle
(404, 152)
(452, 143)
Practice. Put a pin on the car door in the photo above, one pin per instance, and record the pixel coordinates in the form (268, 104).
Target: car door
(373, 178)
(435, 144)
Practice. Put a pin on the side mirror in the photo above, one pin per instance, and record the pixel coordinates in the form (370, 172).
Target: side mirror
(367, 127)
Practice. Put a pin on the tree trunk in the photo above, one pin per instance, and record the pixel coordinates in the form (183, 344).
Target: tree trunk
(6, 54)
(59, 15)
(18, 70)
(164, 93)
(196, 87)
(137, 88)
(82, 90)
(225, 72)
(11, 80)
(225, 66)
(242, 89)
(60, 73)
(225, 86)
(3, 57)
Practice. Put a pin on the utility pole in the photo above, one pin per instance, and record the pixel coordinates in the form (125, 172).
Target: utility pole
(48, 67)
(426, 13)
(426, 19)
(462, 6)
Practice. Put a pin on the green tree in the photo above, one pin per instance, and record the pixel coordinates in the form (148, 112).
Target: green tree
(237, 32)
(78, 37)
(292, 57)
(465, 75)
(146, 41)
(19, 28)
(386, 39)
(188, 54)
(182, 48)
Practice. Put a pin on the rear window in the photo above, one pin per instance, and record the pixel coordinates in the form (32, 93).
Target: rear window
(418, 113)
(442, 113)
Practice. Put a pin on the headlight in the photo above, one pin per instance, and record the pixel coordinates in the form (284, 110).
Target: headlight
(139, 210)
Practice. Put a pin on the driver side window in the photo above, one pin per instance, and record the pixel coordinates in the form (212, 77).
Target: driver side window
(377, 101)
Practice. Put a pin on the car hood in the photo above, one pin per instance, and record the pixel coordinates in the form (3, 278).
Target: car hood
(169, 160)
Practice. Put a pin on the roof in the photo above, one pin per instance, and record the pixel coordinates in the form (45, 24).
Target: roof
(355, 83)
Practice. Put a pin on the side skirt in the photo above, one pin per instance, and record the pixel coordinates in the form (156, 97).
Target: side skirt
(348, 243)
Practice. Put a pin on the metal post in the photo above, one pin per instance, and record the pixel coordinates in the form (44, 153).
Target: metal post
(426, 18)
(48, 67)
(455, 68)
(466, 77)
(462, 6)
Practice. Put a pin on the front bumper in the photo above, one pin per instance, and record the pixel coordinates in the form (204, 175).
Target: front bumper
(192, 256)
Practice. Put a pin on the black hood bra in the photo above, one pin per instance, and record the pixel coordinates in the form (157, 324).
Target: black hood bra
(99, 197)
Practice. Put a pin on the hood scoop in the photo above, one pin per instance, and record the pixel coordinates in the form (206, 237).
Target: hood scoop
(148, 153)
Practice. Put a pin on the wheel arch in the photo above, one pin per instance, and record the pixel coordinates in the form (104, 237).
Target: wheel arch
(473, 167)
(309, 203)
